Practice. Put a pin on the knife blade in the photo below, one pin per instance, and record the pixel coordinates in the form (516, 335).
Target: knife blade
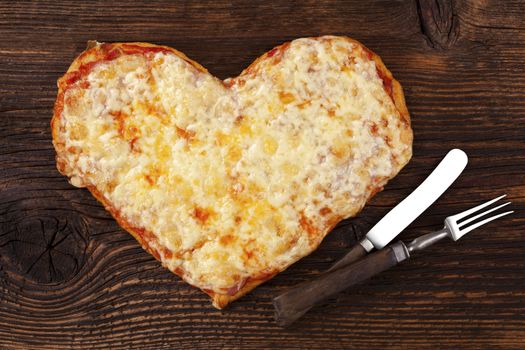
(397, 219)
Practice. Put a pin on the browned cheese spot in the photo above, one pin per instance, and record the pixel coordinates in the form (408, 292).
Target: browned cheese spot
(201, 214)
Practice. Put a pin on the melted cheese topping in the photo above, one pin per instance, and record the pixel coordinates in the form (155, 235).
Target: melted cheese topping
(239, 178)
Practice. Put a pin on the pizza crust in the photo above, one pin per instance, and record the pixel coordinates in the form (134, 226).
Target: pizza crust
(397, 96)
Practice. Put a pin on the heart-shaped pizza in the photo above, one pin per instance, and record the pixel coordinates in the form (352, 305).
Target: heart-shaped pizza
(229, 182)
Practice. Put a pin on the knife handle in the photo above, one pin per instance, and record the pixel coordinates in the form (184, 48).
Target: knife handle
(354, 254)
(292, 304)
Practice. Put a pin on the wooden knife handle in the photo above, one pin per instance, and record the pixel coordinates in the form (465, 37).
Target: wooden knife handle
(354, 254)
(292, 304)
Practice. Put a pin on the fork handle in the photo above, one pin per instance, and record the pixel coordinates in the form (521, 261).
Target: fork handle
(292, 304)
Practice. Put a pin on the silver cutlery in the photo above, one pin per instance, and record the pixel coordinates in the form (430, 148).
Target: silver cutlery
(292, 304)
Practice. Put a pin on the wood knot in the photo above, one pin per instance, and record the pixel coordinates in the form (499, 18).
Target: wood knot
(438, 22)
(47, 246)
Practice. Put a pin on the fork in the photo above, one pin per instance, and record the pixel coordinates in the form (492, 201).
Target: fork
(292, 304)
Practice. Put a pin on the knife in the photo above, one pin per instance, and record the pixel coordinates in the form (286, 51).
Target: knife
(410, 208)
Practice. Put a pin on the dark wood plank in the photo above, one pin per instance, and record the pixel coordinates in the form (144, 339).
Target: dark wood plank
(71, 278)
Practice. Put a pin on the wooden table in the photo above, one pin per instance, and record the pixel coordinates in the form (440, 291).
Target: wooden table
(71, 278)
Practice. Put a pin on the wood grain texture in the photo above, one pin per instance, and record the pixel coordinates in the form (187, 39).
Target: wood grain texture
(71, 278)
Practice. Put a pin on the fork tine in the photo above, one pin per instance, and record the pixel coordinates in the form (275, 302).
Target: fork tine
(475, 209)
(463, 223)
(476, 225)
